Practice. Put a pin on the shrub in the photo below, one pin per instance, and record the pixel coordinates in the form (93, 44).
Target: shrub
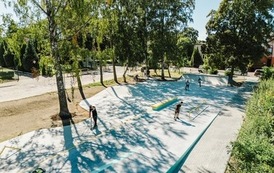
(196, 58)
(268, 73)
(6, 74)
(227, 73)
(254, 149)
(30, 57)
(206, 67)
(213, 71)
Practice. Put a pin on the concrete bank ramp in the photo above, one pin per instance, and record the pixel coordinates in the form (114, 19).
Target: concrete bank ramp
(206, 79)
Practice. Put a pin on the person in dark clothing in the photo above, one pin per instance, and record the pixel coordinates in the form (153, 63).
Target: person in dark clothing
(200, 81)
(148, 73)
(177, 111)
(93, 111)
(136, 78)
(187, 85)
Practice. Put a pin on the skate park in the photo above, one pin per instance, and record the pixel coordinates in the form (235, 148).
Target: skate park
(131, 136)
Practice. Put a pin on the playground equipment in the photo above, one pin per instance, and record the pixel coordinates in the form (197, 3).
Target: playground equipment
(163, 104)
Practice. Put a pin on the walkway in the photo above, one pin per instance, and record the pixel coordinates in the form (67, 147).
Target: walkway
(27, 86)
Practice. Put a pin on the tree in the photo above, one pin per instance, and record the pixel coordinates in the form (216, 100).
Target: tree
(10, 40)
(8, 55)
(191, 33)
(30, 58)
(130, 37)
(185, 42)
(2, 51)
(29, 11)
(196, 58)
(165, 17)
(239, 30)
(112, 19)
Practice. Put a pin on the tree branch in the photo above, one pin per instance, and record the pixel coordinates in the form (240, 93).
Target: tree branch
(39, 6)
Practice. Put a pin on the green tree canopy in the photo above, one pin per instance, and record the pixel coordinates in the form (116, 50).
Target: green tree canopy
(239, 30)
(196, 58)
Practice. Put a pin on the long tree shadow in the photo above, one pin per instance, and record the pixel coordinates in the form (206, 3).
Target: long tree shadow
(74, 155)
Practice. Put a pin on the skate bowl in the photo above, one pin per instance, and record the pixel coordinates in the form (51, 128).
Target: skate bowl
(206, 79)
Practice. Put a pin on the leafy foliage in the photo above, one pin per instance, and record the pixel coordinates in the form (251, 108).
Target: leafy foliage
(239, 30)
(165, 19)
(73, 31)
(6, 74)
(268, 73)
(254, 149)
(30, 58)
(196, 58)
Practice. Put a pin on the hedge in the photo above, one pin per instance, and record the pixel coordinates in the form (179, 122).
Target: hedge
(6, 74)
(253, 151)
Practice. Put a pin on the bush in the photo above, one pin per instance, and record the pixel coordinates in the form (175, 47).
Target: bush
(6, 74)
(228, 73)
(213, 71)
(206, 67)
(254, 149)
(268, 73)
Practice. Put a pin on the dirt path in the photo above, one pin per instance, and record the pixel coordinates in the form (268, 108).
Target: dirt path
(25, 115)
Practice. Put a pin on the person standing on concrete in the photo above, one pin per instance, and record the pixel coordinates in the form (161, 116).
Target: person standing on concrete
(200, 81)
(93, 113)
(187, 85)
(177, 110)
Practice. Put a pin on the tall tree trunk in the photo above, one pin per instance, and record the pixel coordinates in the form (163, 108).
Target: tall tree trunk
(163, 41)
(163, 70)
(64, 112)
(168, 72)
(230, 77)
(113, 64)
(101, 74)
(114, 70)
(124, 75)
(79, 83)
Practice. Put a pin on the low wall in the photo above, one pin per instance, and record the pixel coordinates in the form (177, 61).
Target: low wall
(206, 79)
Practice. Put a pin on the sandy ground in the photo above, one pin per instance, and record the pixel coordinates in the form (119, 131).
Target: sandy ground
(25, 115)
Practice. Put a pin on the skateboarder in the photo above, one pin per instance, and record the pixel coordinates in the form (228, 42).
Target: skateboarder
(187, 85)
(177, 111)
(199, 81)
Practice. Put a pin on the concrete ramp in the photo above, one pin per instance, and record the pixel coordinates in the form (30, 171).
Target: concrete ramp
(206, 79)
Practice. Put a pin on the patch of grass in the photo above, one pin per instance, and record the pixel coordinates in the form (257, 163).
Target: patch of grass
(158, 73)
(111, 82)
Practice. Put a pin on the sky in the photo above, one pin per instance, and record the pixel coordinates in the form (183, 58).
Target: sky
(4, 10)
(202, 9)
